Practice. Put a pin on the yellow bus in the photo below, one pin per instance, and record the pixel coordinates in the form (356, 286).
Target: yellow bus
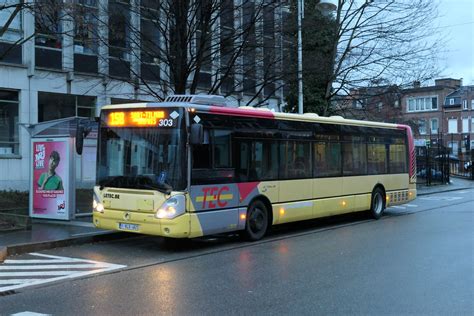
(191, 166)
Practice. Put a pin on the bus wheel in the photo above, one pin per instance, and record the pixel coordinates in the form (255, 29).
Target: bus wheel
(377, 206)
(256, 223)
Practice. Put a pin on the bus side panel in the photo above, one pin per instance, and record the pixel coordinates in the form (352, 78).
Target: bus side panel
(215, 222)
(297, 196)
(324, 188)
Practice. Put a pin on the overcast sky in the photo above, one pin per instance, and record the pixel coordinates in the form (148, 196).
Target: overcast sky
(457, 20)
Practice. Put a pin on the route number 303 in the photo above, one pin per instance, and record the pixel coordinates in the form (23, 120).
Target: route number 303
(166, 123)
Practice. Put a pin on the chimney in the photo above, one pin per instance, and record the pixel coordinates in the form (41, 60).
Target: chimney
(416, 84)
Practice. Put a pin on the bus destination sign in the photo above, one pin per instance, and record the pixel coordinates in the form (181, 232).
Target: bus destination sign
(139, 119)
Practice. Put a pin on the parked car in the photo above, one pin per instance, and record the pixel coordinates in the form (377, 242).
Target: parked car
(435, 174)
(468, 165)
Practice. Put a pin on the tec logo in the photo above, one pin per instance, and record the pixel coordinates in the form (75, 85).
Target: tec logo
(215, 197)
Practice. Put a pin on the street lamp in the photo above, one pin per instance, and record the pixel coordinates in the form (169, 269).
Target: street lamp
(325, 6)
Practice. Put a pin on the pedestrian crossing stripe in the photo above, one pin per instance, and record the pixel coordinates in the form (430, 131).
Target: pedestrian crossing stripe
(16, 274)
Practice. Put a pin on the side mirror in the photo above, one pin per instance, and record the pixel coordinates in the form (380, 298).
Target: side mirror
(81, 133)
(79, 139)
(197, 134)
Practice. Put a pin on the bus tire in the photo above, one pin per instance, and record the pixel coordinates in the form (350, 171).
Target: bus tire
(256, 221)
(377, 203)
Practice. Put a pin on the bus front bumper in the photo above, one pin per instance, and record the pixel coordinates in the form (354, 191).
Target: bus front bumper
(146, 223)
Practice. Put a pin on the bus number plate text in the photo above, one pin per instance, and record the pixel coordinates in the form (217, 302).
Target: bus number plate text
(126, 226)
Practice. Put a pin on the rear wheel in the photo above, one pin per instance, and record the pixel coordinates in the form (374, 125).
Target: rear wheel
(377, 205)
(256, 222)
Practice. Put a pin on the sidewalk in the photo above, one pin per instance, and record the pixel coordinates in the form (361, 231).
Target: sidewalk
(454, 185)
(51, 234)
(47, 234)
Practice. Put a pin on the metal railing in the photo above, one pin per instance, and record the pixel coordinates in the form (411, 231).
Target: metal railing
(432, 165)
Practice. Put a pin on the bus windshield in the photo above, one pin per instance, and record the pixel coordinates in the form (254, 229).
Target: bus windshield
(149, 157)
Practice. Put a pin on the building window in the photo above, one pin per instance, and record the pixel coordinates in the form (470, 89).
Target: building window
(10, 52)
(269, 52)
(9, 141)
(119, 38)
(52, 106)
(48, 38)
(85, 27)
(453, 145)
(465, 125)
(464, 104)
(227, 36)
(249, 47)
(421, 104)
(85, 36)
(434, 126)
(422, 127)
(150, 40)
(472, 104)
(452, 126)
(451, 101)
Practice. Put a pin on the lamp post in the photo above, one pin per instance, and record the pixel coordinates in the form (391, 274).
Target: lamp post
(325, 6)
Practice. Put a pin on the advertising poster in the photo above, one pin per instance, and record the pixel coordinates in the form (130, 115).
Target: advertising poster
(50, 179)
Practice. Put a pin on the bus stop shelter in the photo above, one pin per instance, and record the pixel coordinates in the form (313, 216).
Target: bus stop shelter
(57, 171)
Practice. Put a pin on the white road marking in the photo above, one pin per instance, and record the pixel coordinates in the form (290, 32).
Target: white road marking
(27, 313)
(462, 192)
(411, 205)
(398, 207)
(441, 198)
(18, 281)
(35, 273)
(54, 268)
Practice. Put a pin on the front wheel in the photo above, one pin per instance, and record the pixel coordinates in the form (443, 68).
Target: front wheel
(256, 222)
(377, 205)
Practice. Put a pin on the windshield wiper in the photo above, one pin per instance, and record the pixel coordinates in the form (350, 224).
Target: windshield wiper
(108, 182)
(139, 182)
(147, 183)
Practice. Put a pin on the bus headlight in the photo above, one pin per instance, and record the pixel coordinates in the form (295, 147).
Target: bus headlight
(96, 205)
(172, 207)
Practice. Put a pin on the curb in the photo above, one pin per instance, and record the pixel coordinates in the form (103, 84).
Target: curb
(33, 247)
(441, 191)
(3, 253)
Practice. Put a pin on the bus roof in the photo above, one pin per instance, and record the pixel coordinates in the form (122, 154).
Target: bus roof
(247, 111)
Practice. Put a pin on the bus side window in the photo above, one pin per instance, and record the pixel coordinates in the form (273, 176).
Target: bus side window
(221, 148)
(398, 154)
(242, 155)
(202, 154)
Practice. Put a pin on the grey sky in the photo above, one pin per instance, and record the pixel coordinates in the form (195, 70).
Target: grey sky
(457, 22)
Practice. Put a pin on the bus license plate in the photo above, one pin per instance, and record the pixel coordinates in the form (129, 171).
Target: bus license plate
(126, 226)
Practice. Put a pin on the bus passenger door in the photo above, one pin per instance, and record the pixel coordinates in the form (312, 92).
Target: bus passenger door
(256, 169)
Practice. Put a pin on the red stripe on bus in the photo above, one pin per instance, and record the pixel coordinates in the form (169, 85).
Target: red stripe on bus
(241, 112)
(246, 188)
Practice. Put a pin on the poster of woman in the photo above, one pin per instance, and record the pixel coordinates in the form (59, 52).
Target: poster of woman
(50, 178)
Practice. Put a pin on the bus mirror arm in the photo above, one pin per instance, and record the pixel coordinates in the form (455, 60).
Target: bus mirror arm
(197, 134)
(82, 131)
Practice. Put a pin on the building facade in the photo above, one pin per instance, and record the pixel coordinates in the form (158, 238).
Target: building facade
(439, 114)
(52, 68)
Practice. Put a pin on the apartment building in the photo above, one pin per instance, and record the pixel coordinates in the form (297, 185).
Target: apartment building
(439, 114)
(54, 69)
(458, 110)
(423, 109)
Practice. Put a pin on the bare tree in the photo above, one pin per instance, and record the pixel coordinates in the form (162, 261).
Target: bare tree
(391, 40)
(10, 16)
(188, 46)
(185, 46)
